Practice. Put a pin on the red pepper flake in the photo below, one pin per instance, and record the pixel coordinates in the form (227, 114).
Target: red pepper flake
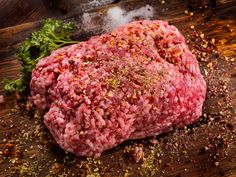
(1, 99)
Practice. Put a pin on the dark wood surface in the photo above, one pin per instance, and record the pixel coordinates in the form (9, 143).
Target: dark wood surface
(207, 148)
(15, 12)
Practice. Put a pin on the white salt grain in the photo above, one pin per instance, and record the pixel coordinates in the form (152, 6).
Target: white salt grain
(115, 17)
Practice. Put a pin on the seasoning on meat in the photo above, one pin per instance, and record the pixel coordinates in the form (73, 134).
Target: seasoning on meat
(138, 81)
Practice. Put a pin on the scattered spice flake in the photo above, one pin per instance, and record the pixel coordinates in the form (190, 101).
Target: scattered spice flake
(191, 14)
(232, 59)
(202, 35)
(151, 162)
(163, 2)
(229, 28)
(55, 168)
(153, 140)
(186, 11)
(1, 99)
(210, 65)
(217, 164)
(138, 154)
(93, 175)
(213, 40)
(126, 173)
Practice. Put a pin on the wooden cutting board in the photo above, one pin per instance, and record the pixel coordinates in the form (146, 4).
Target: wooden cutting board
(207, 148)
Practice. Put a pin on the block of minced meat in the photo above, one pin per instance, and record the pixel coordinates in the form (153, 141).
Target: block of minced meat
(137, 81)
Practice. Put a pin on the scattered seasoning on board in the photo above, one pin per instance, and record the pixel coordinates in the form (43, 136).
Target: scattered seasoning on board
(191, 14)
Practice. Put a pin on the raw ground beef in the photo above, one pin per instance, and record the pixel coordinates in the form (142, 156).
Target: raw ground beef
(137, 81)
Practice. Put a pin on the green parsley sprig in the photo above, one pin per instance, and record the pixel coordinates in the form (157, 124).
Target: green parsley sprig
(53, 35)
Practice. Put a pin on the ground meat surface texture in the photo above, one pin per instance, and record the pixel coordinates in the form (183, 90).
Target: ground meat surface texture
(137, 81)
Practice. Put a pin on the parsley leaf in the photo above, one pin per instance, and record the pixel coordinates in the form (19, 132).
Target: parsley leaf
(53, 35)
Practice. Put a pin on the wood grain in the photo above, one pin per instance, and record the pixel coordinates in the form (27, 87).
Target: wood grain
(17, 12)
(217, 21)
